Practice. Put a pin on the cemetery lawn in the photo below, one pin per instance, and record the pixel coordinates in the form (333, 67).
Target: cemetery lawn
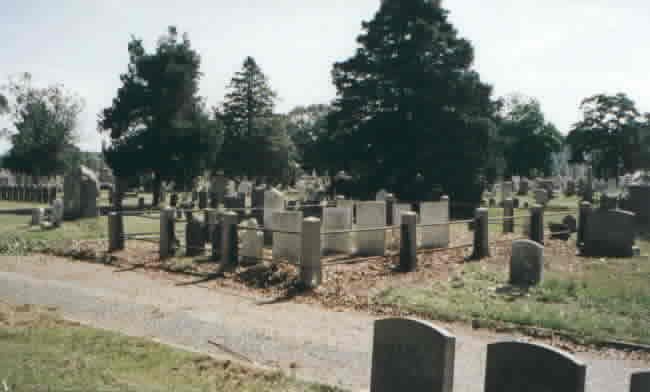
(42, 352)
(14, 205)
(590, 299)
(18, 237)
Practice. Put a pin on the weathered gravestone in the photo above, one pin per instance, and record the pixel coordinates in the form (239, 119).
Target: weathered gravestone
(608, 202)
(518, 366)
(194, 237)
(570, 188)
(433, 213)
(335, 219)
(252, 250)
(411, 355)
(37, 216)
(526, 263)
(203, 199)
(371, 214)
(571, 222)
(273, 201)
(81, 188)
(381, 195)
(640, 382)
(506, 190)
(541, 196)
(287, 244)
(492, 203)
(609, 234)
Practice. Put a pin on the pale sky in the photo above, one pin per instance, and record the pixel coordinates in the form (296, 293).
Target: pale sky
(558, 51)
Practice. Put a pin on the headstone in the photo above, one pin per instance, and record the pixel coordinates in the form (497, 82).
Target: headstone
(194, 238)
(252, 250)
(371, 214)
(57, 212)
(640, 382)
(173, 200)
(432, 213)
(273, 201)
(411, 355)
(506, 190)
(541, 196)
(570, 189)
(611, 185)
(337, 219)
(81, 189)
(526, 263)
(286, 245)
(218, 184)
(245, 187)
(381, 195)
(37, 216)
(518, 366)
(571, 223)
(203, 200)
(515, 203)
(398, 208)
(492, 203)
(609, 234)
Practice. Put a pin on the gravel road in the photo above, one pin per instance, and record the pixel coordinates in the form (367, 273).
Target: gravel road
(316, 344)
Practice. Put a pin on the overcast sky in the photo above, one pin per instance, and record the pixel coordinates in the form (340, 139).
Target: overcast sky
(559, 51)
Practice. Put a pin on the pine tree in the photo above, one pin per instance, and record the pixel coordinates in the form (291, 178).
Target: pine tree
(410, 111)
(251, 131)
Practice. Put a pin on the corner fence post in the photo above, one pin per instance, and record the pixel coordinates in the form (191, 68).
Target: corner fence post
(166, 231)
(408, 258)
(115, 231)
(310, 262)
(583, 218)
(229, 238)
(481, 244)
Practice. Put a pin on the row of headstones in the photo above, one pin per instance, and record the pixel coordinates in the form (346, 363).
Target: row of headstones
(416, 356)
(29, 193)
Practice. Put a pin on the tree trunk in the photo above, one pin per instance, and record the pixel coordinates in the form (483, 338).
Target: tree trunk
(157, 183)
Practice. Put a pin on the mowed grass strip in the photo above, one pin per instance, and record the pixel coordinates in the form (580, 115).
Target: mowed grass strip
(41, 352)
(605, 300)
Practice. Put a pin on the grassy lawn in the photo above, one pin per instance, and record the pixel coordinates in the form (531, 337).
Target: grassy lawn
(589, 298)
(17, 236)
(12, 205)
(41, 352)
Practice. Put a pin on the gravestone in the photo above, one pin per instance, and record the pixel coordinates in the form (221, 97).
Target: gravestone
(608, 202)
(526, 263)
(371, 214)
(81, 189)
(203, 199)
(506, 190)
(337, 219)
(218, 184)
(173, 200)
(287, 245)
(611, 186)
(273, 201)
(518, 366)
(398, 208)
(492, 203)
(541, 196)
(37, 216)
(252, 250)
(515, 203)
(571, 223)
(245, 187)
(431, 213)
(57, 212)
(570, 189)
(194, 238)
(609, 234)
(411, 355)
(381, 195)
(640, 382)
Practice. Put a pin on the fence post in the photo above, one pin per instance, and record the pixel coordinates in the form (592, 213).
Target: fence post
(481, 245)
(583, 217)
(115, 231)
(537, 224)
(166, 231)
(508, 212)
(213, 233)
(310, 262)
(408, 259)
(229, 238)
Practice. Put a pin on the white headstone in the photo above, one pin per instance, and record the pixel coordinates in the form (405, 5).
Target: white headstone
(611, 185)
(434, 236)
(287, 245)
(273, 201)
(245, 187)
(371, 214)
(381, 195)
(398, 208)
(252, 243)
(337, 219)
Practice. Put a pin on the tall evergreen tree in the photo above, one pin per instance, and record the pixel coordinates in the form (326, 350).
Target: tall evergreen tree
(252, 131)
(157, 122)
(410, 112)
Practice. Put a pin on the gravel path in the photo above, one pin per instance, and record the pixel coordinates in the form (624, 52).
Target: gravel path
(316, 344)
